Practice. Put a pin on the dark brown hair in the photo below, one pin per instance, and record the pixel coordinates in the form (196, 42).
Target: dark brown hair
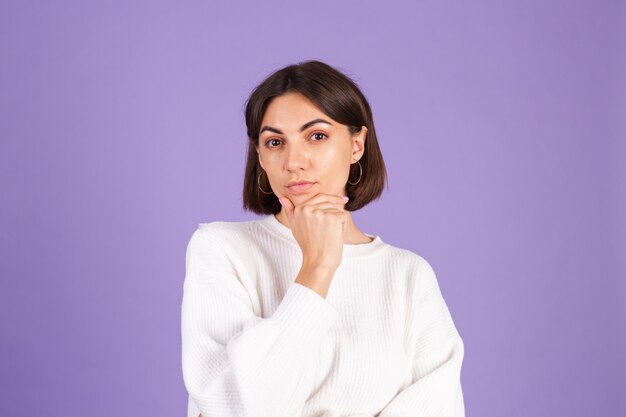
(336, 95)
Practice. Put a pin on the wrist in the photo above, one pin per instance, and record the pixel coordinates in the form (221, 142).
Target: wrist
(317, 269)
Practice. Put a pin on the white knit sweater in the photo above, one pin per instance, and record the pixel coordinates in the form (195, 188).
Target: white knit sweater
(256, 343)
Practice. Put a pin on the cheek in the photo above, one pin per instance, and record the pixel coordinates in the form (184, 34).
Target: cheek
(270, 161)
(335, 165)
(273, 167)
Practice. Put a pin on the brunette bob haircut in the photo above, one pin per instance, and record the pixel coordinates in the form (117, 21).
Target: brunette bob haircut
(336, 95)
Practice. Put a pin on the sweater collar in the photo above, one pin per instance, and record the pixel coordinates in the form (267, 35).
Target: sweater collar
(349, 249)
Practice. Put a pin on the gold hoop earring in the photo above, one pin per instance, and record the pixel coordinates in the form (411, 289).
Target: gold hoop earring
(259, 182)
(360, 175)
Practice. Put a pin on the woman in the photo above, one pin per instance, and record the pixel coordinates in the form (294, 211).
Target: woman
(300, 313)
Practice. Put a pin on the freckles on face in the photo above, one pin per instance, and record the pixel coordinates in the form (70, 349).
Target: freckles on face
(299, 142)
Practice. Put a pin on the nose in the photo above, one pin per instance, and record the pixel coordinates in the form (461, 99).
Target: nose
(297, 158)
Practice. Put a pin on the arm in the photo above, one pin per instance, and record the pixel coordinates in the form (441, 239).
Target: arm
(436, 384)
(236, 363)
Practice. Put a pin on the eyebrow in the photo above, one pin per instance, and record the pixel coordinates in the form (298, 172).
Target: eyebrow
(302, 129)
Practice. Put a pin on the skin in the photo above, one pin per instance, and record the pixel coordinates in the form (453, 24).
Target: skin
(322, 153)
(309, 155)
(297, 141)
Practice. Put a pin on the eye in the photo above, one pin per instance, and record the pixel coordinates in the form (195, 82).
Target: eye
(317, 135)
(267, 143)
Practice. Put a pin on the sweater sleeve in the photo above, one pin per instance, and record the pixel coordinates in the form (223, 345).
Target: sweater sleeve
(435, 390)
(234, 362)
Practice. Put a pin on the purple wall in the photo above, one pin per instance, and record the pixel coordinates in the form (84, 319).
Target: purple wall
(121, 128)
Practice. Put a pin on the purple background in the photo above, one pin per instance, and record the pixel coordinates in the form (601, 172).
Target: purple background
(501, 123)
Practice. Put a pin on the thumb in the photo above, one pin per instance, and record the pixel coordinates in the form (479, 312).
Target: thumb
(288, 209)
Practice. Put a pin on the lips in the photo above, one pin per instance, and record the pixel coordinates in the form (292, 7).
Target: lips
(300, 187)
(294, 182)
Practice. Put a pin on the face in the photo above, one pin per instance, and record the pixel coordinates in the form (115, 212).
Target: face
(300, 143)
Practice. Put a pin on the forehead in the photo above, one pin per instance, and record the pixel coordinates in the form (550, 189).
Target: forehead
(291, 111)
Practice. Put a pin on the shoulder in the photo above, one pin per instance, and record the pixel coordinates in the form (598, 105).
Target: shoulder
(224, 232)
(405, 257)
(225, 227)
(419, 269)
(215, 250)
(221, 238)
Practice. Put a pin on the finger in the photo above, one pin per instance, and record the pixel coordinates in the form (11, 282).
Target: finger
(288, 208)
(340, 216)
(320, 197)
(327, 206)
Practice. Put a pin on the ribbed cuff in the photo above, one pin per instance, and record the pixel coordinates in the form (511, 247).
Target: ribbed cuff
(305, 314)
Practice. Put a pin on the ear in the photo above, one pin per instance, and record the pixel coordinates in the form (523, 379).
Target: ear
(358, 143)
